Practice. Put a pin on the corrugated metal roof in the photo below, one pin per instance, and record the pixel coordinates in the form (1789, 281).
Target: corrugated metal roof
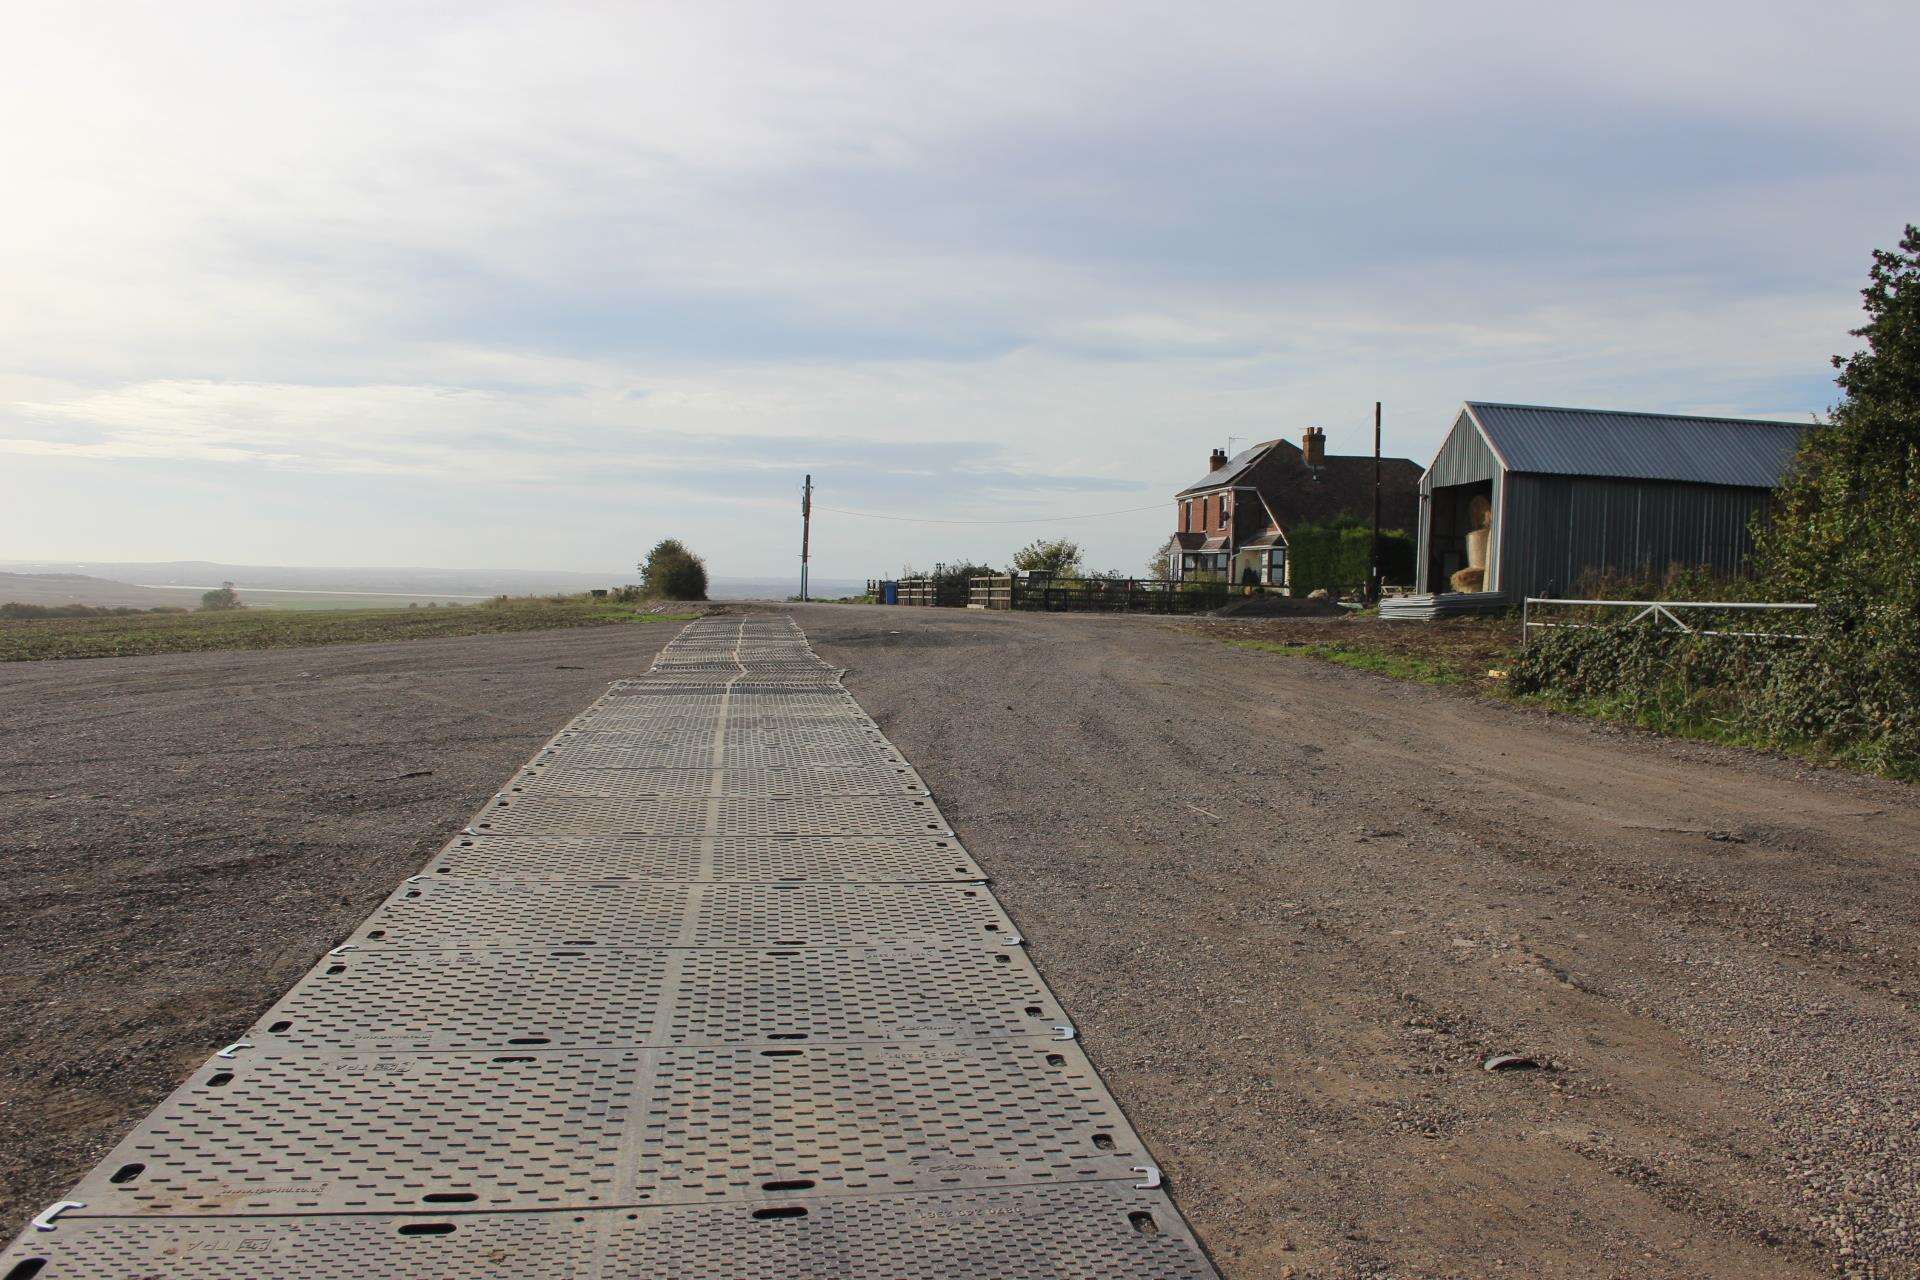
(1237, 466)
(1638, 446)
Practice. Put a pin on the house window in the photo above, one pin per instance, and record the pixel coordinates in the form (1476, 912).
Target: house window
(1223, 511)
(1277, 566)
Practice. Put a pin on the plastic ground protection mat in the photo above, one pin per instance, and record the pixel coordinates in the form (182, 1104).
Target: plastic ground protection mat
(314, 1132)
(577, 813)
(479, 998)
(584, 751)
(790, 1036)
(437, 912)
(725, 781)
(1094, 1231)
(881, 859)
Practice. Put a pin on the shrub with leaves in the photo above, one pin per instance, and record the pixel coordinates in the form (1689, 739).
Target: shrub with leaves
(1844, 533)
(1060, 557)
(672, 572)
(1338, 555)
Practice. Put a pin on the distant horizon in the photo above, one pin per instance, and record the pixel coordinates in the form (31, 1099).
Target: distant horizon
(56, 562)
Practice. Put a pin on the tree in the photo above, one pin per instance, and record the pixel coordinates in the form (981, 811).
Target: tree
(672, 572)
(1845, 534)
(1059, 557)
(1162, 563)
(1846, 521)
(221, 597)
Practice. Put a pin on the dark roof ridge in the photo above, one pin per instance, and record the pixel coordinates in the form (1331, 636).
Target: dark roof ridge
(1633, 413)
(1363, 457)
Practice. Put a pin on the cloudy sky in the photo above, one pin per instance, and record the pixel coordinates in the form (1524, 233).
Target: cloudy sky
(532, 285)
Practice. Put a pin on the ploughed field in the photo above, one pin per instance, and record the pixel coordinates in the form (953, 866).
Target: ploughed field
(1293, 908)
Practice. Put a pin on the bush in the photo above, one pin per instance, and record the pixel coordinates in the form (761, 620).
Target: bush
(1338, 555)
(1844, 692)
(1164, 561)
(672, 572)
(221, 598)
(1844, 533)
(1058, 557)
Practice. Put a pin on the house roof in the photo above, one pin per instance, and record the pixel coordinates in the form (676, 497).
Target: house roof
(1743, 452)
(1342, 485)
(1236, 469)
(1296, 494)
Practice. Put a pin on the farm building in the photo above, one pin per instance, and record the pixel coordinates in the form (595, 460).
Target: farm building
(1235, 522)
(1525, 500)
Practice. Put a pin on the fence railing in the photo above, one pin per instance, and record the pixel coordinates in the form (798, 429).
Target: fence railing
(1111, 595)
(948, 593)
(1663, 614)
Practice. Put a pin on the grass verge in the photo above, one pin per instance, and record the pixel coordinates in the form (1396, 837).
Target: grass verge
(1461, 653)
(31, 640)
(1398, 665)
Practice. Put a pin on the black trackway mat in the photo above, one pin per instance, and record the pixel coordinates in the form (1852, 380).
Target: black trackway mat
(550, 773)
(578, 813)
(709, 990)
(740, 751)
(1096, 1231)
(614, 857)
(609, 998)
(435, 912)
(269, 1133)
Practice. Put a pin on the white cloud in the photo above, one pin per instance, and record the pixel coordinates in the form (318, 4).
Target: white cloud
(487, 246)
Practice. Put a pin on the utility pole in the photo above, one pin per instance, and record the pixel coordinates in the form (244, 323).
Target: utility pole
(806, 527)
(1373, 581)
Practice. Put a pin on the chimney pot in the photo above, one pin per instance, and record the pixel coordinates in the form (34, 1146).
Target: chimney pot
(1313, 447)
(1217, 460)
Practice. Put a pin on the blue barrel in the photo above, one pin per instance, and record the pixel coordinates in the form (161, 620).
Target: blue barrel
(890, 593)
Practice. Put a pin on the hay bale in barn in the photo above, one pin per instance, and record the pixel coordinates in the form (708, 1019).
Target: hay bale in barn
(1472, 578)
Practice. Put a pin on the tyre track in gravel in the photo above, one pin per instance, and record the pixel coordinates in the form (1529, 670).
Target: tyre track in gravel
(1295, 906)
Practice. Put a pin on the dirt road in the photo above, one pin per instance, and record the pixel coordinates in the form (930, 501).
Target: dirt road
(1292, 908)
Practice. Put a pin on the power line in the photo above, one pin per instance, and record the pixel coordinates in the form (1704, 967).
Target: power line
(1090, 515)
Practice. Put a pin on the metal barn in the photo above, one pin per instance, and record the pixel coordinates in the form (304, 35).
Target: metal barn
(1539, 496)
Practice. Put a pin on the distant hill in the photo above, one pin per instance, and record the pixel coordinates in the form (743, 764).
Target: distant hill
(80, 588)
(180, 582)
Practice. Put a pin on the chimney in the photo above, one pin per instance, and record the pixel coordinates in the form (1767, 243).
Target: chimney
(1217, 460)
(1313, 447)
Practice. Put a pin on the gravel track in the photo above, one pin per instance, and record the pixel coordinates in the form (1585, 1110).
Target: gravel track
(1291, 907)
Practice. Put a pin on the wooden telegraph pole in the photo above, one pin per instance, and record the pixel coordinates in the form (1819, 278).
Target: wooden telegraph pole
(806, 526)
(1374, 585)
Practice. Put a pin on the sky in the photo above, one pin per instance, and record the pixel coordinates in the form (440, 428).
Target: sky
(534, 285)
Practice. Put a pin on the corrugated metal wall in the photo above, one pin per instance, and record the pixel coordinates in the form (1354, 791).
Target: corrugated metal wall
(1463, 459)
(1557, 528)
